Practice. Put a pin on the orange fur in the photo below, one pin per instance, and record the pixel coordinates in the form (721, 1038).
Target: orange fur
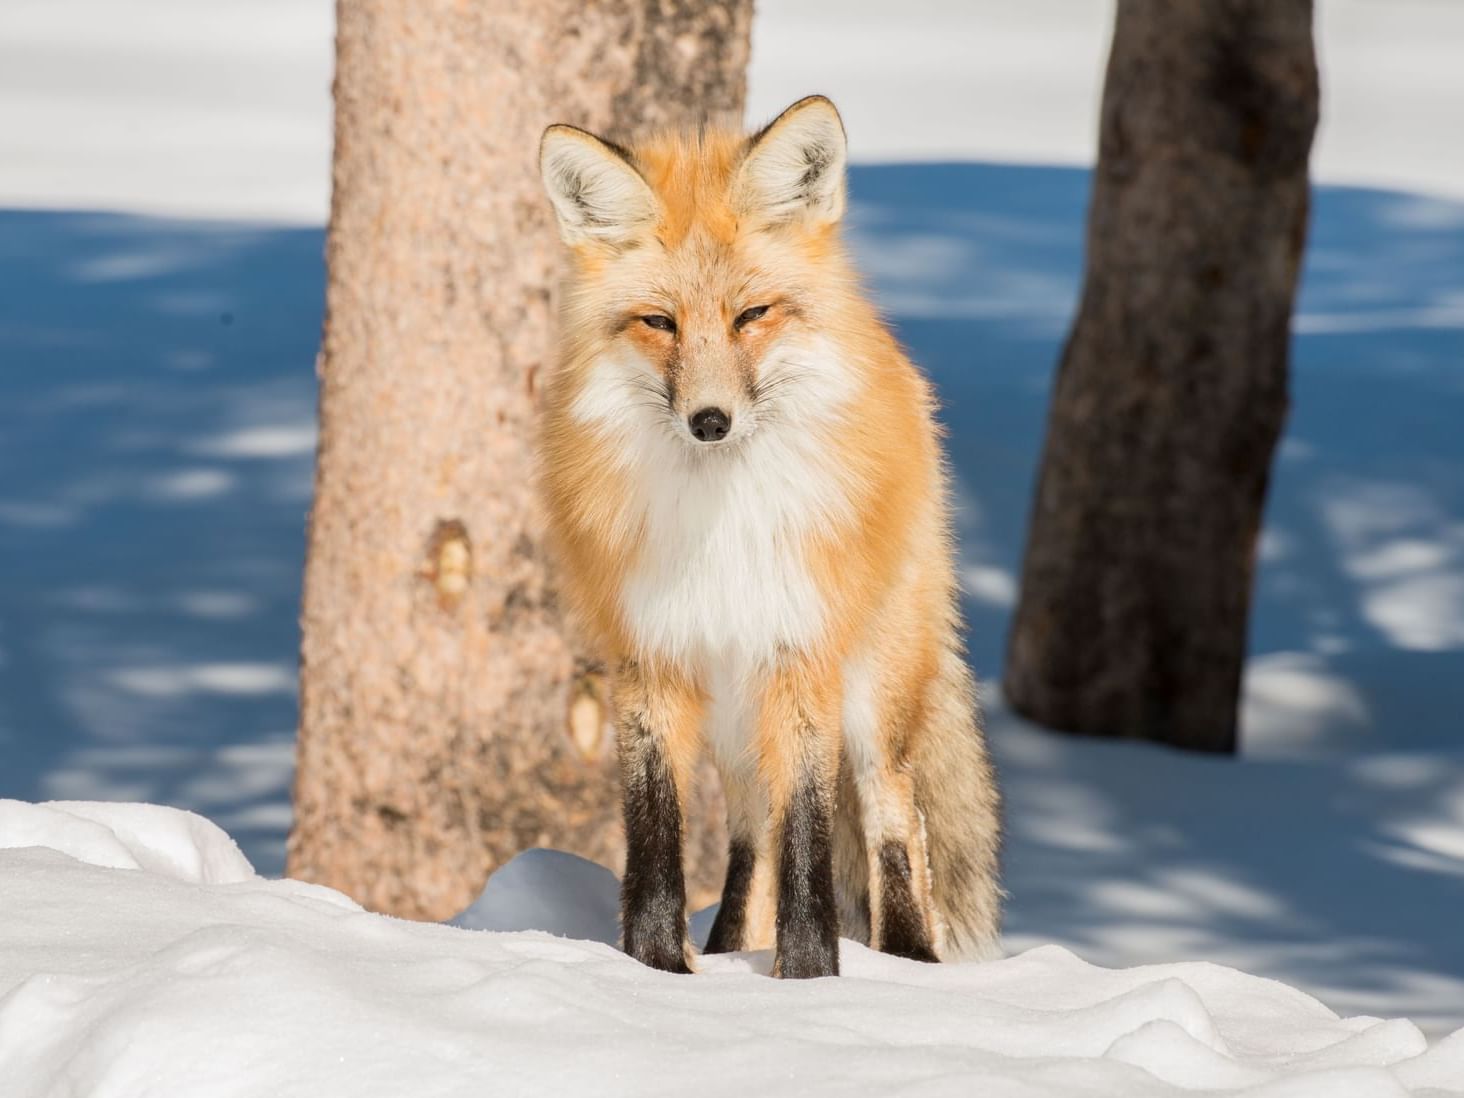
(880, 555)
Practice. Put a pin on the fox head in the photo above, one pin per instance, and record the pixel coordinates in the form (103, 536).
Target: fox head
(706, 273)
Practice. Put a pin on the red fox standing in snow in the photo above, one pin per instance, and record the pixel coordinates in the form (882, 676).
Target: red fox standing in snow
(745, 485)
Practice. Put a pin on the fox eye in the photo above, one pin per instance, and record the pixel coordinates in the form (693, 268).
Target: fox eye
(659, 322)
(747, 316)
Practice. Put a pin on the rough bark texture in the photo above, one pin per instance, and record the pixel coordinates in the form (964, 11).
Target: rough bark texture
(1172, 390)
(690, 66)
(446, 720)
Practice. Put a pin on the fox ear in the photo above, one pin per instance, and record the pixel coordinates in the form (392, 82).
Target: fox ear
(794, 167)
(597, 194)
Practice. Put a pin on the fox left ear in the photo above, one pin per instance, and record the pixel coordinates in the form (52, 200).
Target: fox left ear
(794, 167)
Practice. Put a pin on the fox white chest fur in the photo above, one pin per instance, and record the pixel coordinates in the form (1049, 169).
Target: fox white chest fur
(720, 584)
(721, 576)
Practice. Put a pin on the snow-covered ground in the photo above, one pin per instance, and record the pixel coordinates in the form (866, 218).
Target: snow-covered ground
(140, 955)
(163, 174)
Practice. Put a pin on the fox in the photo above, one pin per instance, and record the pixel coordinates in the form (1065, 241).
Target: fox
(747, 497)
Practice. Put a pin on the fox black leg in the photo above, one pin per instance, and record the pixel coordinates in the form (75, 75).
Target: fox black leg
(902, 926)
(729, 927)
(653, 894)
(808, 925)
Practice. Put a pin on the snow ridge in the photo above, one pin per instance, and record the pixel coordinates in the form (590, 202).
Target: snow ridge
(133, 965)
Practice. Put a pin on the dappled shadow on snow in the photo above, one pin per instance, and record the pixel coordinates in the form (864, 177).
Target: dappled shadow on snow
(156, 431)
(1360, 603)
(1339, 875)
(156, 442)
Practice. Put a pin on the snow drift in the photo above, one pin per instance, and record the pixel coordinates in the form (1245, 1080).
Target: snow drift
(140, 956)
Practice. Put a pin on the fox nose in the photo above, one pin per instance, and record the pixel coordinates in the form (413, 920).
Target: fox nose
(710, 425)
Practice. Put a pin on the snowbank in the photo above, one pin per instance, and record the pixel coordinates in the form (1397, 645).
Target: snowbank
(167, 841)
(180, 975)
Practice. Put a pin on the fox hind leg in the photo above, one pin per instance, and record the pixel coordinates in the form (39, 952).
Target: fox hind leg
(851, 860)
(745, 917)
(902, 916)
(901, 909)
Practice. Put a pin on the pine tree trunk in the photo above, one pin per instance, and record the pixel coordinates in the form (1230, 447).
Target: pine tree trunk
(1172, 390)
(446, 718)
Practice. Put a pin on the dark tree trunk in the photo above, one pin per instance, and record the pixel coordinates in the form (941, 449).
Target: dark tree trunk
(1172, 389)
(447, 720)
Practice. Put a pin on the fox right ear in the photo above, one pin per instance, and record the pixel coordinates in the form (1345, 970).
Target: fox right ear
(597, 194)
(794, 166)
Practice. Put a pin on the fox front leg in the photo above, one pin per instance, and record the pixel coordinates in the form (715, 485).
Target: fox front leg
(808, 922)
(657, 719)
(799, 740)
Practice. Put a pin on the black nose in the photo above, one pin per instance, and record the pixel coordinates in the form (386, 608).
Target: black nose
(710, 425)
